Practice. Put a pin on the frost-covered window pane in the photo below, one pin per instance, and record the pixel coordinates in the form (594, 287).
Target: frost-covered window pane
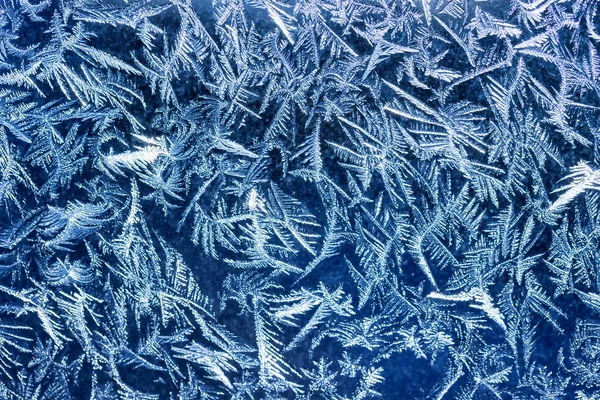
(299, 199)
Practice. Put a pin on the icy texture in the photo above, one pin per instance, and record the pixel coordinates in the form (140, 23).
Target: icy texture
(316, 199)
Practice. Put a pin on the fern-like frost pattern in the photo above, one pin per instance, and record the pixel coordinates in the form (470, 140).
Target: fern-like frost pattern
(299, 199)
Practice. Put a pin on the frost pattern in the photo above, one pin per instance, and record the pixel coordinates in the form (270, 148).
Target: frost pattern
(311, 199)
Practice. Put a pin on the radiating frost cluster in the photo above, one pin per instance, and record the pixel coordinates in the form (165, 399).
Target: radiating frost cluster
(310, 199)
